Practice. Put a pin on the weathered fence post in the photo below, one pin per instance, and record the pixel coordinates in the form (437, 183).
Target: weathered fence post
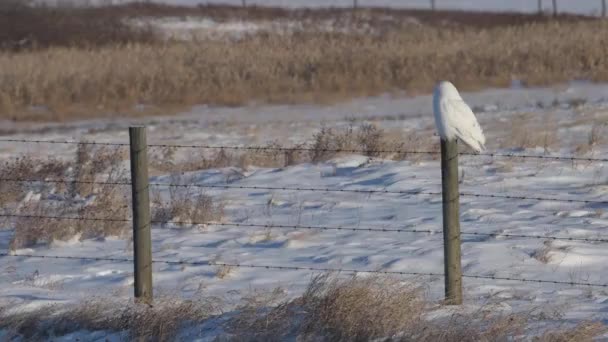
(451, 222)
(142, 239)
(555, 10)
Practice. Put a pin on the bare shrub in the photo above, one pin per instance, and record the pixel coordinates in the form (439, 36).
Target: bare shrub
(328, 142)
(33, 228)
(186, 206)
(110, 211)
(104, 209)
(93, 163)
(27, 168)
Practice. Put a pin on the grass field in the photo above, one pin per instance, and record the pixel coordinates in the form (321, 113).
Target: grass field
(59, 64)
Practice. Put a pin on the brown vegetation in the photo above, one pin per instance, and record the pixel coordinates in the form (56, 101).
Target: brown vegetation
(89, 72)
(69, 199)
(186, 206)
(353, 309)
(362, 139)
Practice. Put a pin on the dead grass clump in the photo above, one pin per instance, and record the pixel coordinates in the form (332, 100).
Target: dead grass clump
(110, 209)
(94, 163)
(584, 332)
(33, 229)
(543, 254)
(186, 206)
(105, 208)
(527, 134)
(28, 168)
(366, 139)
(160, 322)
(596, 137)
(357, 309)
(343, 310)
(379, 308)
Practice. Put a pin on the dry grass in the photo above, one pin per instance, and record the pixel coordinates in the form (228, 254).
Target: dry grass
(155, 323)
(91, 201)
(379, 308)
(363, 139)
(528, 132)
(31, 169)
(186, 206)
(586, 331)
(353, 309)
(299, 67)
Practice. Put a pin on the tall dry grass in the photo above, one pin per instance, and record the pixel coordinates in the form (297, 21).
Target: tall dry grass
(331, 309)
(300, 67)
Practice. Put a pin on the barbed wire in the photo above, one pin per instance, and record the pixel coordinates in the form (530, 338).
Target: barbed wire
(283, 188)
(61, 181)
(304, 268)
(361, 191)
(552, 199)
(322, 228)
(63, 142)
(314, 149)
(64, 218)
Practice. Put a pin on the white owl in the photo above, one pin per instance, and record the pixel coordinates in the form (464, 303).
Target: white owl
(455, 119)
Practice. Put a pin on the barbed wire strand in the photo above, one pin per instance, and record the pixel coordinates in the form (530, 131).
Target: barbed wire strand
(362, 191)
(64, 142)
(60, 181)
(323, 228)
(301, 268)
(312, 149)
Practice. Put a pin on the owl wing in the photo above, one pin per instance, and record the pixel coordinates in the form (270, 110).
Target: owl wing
(461, 118)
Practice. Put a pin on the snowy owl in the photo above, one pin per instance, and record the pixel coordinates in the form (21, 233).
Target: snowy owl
(454, 118)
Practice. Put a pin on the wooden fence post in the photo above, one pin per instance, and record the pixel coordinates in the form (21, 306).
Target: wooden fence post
(555, 10)
(451, 222)
(142, 239)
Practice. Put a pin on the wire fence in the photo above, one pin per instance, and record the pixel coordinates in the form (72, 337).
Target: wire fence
(315, 149)
(400, 230)
(312, 269)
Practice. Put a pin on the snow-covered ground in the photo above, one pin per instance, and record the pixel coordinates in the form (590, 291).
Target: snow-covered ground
(573, 109)
(580, 6)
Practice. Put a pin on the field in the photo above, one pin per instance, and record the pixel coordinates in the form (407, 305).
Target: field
(295, 184)
(93, 64)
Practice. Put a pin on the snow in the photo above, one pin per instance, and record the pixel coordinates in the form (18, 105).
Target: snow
(31, 282)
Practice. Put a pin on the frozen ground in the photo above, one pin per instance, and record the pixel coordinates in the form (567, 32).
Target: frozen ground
(569, 111)
(581, 6)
